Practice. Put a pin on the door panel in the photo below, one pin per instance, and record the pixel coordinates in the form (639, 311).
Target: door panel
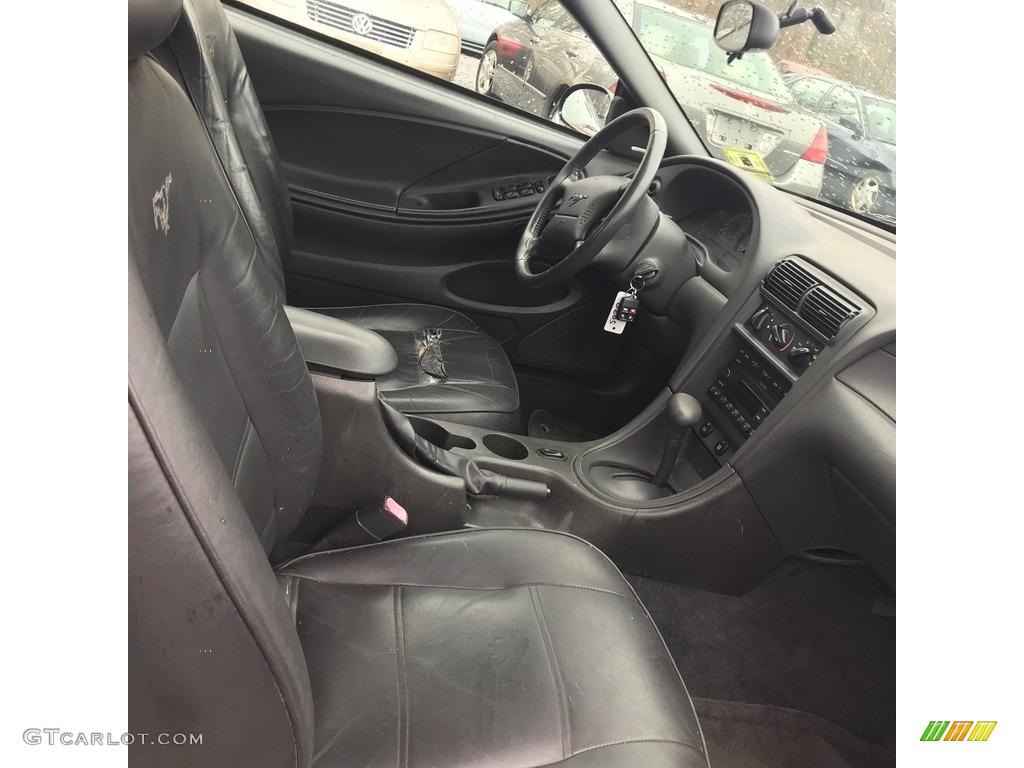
(391, 175)
(354, 158)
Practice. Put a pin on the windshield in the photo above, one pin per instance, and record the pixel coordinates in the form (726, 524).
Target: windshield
(677, 41)
(816, 114)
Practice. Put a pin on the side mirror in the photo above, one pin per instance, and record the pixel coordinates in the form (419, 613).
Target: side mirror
(519, 8)
(584, 108)
(745, 25)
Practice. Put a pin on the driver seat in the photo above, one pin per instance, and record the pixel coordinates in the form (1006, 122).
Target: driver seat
(448, 367)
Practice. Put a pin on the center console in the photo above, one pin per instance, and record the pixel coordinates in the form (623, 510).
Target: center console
(648, 488)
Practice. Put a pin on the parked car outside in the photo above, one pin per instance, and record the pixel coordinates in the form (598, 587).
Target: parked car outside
(478, 18)
(422, 34)
(743, 111)
(860, 171)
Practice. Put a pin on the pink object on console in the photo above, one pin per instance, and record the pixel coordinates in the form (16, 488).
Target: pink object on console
(396, 510)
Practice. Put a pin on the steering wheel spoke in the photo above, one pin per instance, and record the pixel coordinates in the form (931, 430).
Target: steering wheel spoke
(579, 217)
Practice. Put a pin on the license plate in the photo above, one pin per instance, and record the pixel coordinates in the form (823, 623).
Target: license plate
(730, 131)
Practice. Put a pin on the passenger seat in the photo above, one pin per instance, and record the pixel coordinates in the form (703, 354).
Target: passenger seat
(519, 648)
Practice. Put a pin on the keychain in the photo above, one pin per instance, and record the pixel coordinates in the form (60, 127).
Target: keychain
(625, 307)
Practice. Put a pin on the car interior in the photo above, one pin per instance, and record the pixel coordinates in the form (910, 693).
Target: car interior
(468, 440)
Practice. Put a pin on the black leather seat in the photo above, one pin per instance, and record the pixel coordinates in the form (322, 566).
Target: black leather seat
(472, 381)
(485, 647)
(490, 647)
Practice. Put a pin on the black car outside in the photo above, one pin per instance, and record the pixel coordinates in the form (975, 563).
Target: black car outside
(860, 170)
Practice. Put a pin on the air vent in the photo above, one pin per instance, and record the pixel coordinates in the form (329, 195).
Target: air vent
(788, 282)
(794, 287)
(826, 311)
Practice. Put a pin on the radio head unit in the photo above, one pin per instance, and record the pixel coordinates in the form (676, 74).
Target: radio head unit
(747, 390)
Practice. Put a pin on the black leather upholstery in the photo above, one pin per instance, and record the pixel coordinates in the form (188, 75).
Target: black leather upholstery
(209, 65)
(498, 647)
(206, 315)
(480, 387)
(447, 366)
(502, 648)
(328, 343)
(224, 451)
(149, 24)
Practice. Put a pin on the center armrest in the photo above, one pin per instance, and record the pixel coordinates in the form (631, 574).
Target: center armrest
(341, 347)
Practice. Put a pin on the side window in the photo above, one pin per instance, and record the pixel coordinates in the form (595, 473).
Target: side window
(808, 91)
(841, 102)
(524, 53)
(422, 35)
(531, 62)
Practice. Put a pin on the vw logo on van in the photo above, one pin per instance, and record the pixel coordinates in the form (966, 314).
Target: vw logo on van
(362, 24)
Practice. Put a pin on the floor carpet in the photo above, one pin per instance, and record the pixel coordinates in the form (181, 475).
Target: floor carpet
(740, 735)
(800, 657)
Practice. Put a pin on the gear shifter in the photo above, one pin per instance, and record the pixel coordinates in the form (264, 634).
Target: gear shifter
(683, 412)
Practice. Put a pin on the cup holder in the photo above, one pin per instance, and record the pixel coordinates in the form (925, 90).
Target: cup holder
(440, 436)
(506, 447)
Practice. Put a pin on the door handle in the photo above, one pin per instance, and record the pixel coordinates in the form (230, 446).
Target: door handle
(571, 54)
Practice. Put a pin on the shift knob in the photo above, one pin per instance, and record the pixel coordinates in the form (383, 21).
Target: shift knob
(683, 412)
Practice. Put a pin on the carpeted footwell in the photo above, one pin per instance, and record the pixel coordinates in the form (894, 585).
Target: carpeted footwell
(740, 735)
(796, 672)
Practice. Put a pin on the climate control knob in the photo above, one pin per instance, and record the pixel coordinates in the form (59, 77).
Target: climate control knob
(781, 336)
(760, 319)
(801, 355)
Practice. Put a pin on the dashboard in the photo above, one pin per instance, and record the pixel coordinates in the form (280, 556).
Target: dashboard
(797, 373)
(723, 234)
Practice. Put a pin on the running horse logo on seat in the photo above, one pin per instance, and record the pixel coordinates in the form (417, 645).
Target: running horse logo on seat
(162, 207)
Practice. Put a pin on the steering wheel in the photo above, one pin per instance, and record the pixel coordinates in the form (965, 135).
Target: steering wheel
(580, 217)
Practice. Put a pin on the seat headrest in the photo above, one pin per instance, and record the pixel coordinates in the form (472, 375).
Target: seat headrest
(150, 22)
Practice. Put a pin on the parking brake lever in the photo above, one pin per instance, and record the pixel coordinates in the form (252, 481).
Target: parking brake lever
(479, 482)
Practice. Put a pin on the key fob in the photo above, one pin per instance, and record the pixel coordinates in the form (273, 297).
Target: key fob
(627, 309)
(613, 324)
